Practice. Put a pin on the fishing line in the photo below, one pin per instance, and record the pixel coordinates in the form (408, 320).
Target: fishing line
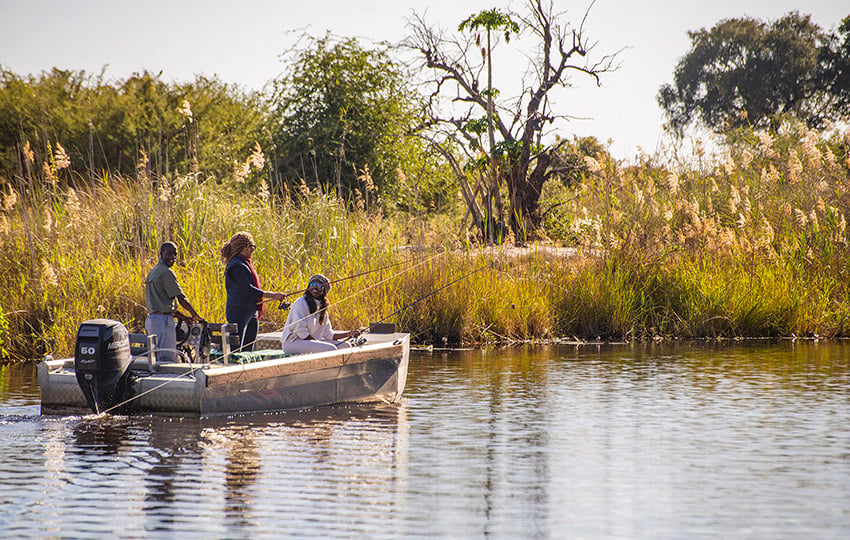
(435, 291)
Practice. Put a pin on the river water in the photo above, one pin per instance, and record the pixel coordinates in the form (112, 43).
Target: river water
(745, 440)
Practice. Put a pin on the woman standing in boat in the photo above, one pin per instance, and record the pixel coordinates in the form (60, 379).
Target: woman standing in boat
(244, 295)
(308, 326)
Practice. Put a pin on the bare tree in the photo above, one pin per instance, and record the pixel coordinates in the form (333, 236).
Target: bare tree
(519, 160)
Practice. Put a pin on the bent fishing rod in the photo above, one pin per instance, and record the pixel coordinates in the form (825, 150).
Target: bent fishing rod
(362, 330)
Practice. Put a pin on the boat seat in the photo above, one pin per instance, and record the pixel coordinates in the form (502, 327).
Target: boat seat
(139, 346)
(215, 334)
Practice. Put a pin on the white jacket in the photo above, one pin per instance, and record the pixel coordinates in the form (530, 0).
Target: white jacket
(301, 324)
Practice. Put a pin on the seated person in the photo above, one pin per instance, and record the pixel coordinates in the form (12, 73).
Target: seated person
(308, 326)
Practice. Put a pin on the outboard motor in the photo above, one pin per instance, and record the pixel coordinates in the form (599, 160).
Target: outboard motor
(102, 363)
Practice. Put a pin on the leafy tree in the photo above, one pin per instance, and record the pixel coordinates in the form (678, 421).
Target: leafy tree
(835, 60)
(515, 155)
(141, 123)
(745, 71)
(341, 118)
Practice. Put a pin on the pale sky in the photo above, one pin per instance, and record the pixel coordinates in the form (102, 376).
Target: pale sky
(241, 42)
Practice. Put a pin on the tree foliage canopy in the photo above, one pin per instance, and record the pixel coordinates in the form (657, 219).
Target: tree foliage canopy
(745, 71)
(203, 126)
(342, 114)
(835, 60)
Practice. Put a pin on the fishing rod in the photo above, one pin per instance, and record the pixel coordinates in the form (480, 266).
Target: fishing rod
(357, 339)
(285, 305)
(372, 286)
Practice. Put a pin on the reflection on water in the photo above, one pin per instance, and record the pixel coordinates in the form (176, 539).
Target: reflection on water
(745, 440)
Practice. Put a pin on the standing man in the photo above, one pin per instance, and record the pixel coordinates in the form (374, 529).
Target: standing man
(161, 291)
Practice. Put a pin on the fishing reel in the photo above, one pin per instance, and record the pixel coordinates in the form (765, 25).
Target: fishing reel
(193, 339)
(359, 339)
(284, 304)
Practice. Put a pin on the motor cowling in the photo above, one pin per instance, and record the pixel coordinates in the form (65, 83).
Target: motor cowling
(102, 362)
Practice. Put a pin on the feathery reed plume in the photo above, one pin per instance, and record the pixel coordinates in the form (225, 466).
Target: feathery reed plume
(766, 144)
(186, 111)
(240, 171)
(48, 276)
(772, 174)
(810, 149)
(263, 191)
(165, 192)
(366, 177)
(72, 202)
(257, 159)
(142, 165)
(734, 199)
(304, 189)
(592, 165)
(10, 199)
(29, 156)
(47, 171)
(795, 168)
(63, 161)
(358, 199)
(829, 157)
(672, 182)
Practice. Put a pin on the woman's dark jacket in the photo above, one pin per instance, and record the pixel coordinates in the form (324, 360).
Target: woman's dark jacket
(239, 284)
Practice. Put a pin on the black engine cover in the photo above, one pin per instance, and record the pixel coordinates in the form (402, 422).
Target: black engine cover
(102, 363)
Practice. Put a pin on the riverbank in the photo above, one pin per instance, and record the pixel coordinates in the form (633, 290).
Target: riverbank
(515, 295)
(755, 245)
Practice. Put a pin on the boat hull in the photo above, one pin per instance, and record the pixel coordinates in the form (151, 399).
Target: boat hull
(373, 372)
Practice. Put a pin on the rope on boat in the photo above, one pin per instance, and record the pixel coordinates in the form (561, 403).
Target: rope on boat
(157, 387)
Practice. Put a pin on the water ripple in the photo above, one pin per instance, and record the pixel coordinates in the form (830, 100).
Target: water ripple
(613, 442)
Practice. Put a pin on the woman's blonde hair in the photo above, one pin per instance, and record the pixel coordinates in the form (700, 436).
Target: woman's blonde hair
(236, 244)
